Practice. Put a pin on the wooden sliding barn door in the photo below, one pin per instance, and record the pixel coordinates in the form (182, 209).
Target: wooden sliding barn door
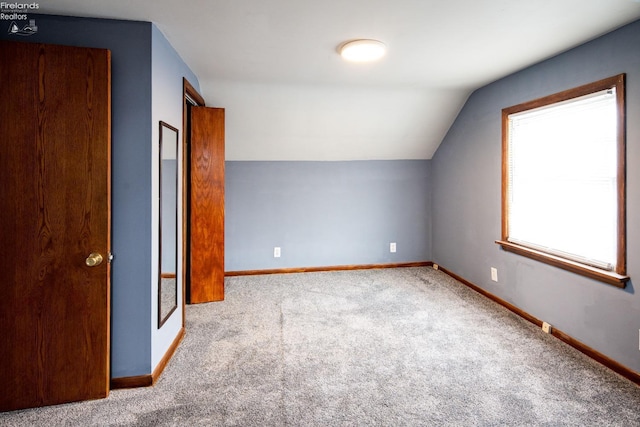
(207, 205)
(55, 113)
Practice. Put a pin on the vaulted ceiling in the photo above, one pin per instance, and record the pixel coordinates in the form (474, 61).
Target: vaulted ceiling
(274, 65)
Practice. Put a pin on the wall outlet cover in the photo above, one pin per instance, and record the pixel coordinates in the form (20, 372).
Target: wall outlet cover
(276, 252)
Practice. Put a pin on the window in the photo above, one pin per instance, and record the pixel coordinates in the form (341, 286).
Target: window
(563, 180)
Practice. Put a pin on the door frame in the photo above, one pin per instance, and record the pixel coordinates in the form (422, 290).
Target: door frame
(191, 98)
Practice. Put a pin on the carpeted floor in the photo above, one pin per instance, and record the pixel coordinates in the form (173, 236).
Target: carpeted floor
(393, 347)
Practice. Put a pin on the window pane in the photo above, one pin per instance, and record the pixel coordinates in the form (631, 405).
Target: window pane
(563, 178)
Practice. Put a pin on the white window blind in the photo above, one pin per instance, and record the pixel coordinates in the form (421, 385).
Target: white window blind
(562, 185)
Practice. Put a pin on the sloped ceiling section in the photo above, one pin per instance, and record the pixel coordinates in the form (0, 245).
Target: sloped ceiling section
(274, 66)
(317, 122)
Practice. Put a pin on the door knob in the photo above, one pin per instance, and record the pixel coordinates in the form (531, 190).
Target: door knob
(94, 259)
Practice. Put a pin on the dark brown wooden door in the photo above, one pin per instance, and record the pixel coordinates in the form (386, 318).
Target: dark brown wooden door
(207, 205)
(55, 195)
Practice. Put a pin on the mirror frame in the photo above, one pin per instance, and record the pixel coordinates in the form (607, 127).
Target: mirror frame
(167, 131)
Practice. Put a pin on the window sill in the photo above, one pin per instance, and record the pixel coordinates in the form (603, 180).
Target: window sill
(608, 277)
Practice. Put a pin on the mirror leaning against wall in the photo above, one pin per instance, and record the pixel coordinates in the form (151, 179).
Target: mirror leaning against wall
(168, 232)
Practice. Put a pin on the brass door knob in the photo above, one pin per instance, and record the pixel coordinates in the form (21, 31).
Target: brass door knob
(94, 259)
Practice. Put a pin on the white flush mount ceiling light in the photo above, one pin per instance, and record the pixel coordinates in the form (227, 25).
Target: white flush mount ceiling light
(363, 50)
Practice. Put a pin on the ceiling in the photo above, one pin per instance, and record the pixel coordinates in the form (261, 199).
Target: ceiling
(273, 64)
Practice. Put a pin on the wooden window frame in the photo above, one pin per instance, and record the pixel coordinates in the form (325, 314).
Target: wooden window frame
(618, 276)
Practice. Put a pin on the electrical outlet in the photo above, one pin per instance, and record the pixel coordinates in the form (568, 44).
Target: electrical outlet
(435, 266)
(392, 247)
(546, 328)
(276, 252)
(494, 274)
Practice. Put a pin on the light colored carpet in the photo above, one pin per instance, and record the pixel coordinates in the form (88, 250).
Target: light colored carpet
(393, 347)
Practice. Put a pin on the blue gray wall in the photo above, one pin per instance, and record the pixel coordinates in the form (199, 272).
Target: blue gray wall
(130, 45)
(167, 72)
(467, 192)
(326, 213)
(135, 343)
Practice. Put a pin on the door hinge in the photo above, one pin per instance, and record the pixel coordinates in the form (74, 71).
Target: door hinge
(110, 258)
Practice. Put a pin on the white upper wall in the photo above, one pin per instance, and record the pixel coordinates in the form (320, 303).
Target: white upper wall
(286, 122)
